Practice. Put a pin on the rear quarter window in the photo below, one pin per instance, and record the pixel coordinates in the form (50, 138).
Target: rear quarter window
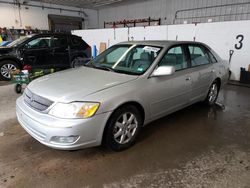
(77, 41)
(212, 57)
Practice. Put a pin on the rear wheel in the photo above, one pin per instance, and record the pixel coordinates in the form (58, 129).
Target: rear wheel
(212, 93)
(78, 62)
(6, 67)
(123, 128)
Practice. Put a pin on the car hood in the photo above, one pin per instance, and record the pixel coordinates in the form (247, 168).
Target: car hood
(75, 84)
(5, 50)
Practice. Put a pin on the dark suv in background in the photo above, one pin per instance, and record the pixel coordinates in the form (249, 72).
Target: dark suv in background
(43, 51)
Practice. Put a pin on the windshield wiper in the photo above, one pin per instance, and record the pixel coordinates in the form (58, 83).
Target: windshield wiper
(100, 67)
(106, 68)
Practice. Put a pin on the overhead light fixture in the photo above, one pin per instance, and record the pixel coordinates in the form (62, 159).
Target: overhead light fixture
(103, 3)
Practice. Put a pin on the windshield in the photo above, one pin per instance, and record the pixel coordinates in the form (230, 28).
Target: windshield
(128, 59)
(18, 41)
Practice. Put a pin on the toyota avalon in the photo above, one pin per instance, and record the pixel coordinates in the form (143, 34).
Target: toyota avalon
(113, 96)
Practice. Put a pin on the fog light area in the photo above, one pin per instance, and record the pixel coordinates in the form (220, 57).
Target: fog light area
(64, 139)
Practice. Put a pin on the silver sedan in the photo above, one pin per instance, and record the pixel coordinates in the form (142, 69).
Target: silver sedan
(126, 87)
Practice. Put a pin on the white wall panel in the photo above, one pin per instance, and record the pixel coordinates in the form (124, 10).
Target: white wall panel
(181, 32)
(156, 33)
(119, 35)
(137, 33)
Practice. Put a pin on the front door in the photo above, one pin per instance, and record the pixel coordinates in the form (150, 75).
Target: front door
(170, 93)
(37, 52)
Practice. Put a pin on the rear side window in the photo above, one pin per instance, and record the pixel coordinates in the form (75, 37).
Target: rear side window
(60, 41)
(175, 57)
(198, 56)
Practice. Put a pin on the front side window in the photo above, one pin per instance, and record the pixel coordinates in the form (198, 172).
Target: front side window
(198, 56)
(175, 57)
(42, 42)
(130, 59)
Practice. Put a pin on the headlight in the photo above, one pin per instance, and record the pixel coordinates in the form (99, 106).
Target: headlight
(74, 110)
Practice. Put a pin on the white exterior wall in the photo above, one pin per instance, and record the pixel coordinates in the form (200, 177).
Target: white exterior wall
(221, 36)
(38, 17)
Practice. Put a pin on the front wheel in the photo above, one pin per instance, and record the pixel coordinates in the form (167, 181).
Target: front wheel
(123, 128)
(212, 94)
(6, 67)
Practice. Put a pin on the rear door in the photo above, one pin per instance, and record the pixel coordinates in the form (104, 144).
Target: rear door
(170, 93)
(201, 71)
(60, 51)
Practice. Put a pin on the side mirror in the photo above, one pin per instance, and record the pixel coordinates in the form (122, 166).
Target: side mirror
(163, 71)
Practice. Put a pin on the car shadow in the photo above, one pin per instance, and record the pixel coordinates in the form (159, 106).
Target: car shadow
(179, 119)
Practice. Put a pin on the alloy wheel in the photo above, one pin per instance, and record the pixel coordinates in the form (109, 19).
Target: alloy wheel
(125, 128)
(213, 92)
(6, 70)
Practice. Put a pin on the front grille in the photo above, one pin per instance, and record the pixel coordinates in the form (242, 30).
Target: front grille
(36, 102)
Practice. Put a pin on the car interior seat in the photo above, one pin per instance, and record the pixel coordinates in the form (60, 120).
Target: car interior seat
(144, 61)
(198, 59)
(175, 60)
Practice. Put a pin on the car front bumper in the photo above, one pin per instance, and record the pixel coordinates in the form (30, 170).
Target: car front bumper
(44, 128)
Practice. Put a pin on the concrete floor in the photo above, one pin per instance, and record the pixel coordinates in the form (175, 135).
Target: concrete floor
(195, 147)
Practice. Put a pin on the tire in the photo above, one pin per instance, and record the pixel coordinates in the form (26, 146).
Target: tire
(18, 88)
(123, 128)
(6, 67)
(77, 62)
(213, 93)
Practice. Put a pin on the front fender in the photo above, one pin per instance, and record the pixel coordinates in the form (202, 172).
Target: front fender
(11, 58)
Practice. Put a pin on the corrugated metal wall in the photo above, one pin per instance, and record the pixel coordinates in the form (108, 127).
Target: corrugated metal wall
(175, 11)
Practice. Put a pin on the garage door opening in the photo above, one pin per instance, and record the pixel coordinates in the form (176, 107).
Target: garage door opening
(64, 23)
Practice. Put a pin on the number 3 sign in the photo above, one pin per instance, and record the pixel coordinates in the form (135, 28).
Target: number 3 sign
(240, 39)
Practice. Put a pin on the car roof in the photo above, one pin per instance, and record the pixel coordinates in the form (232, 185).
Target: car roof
(52, 34)
(162, 43)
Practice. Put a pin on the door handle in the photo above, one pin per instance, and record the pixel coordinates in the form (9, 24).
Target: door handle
(188, 79)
